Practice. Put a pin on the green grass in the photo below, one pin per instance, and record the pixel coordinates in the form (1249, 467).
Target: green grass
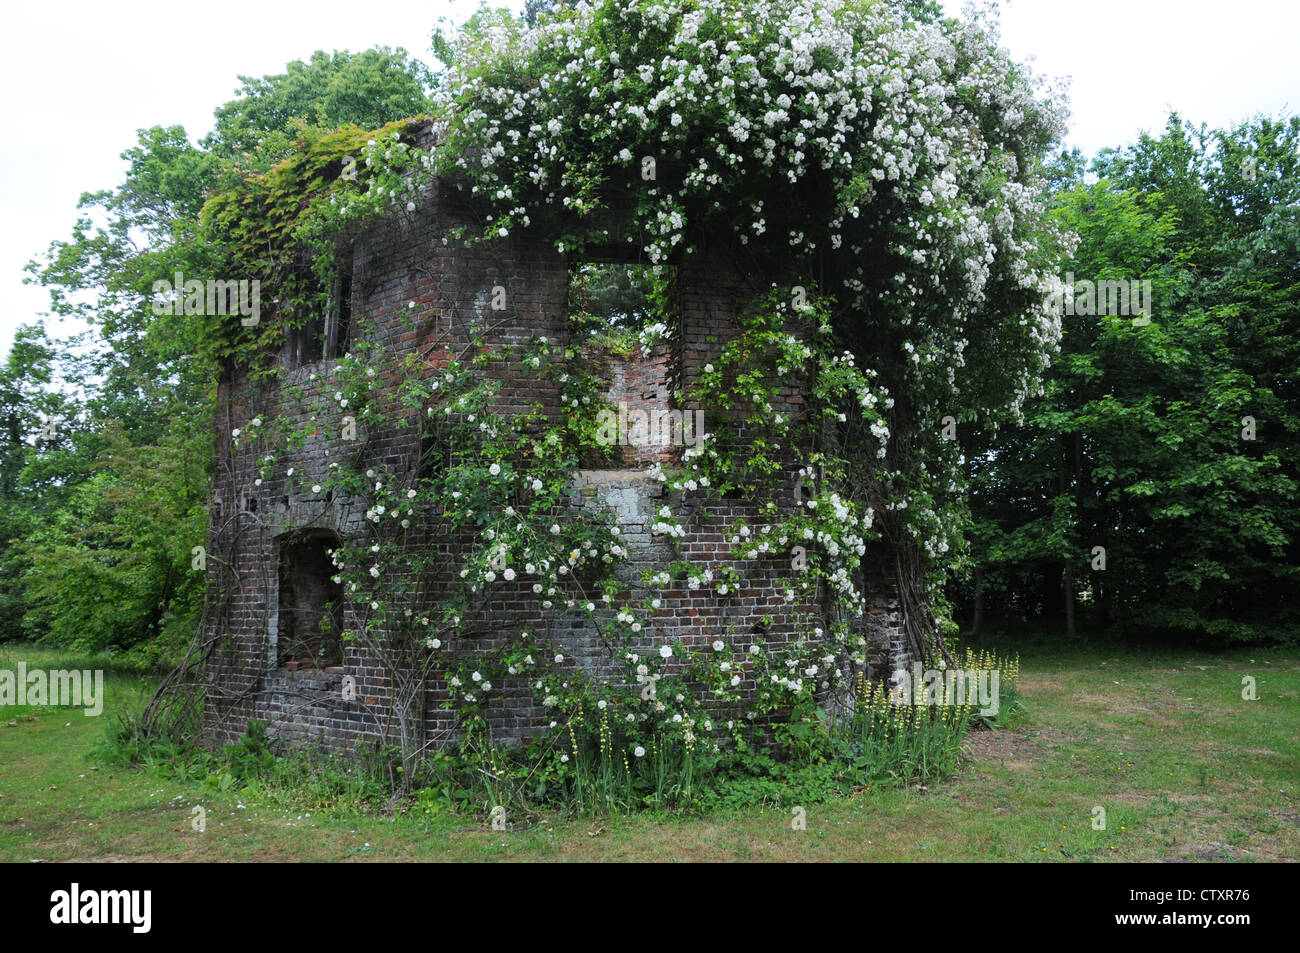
(1161, 739)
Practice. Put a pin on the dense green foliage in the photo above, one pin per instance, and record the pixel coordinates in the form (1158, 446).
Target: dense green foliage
(1174, 444)
(98, 515)
(367, 89)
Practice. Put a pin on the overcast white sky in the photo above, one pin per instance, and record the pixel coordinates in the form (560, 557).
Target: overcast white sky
(80, 78)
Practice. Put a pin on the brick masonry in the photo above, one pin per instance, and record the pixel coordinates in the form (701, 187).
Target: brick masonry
(395, 265)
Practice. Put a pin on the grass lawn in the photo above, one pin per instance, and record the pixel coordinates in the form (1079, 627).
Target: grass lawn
(1161, 739)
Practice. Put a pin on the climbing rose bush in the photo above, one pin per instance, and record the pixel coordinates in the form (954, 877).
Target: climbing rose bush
(901, 156)
(881, 171)
(891, 162)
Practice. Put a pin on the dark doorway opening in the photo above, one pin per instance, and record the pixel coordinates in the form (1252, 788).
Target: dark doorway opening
(310, 618)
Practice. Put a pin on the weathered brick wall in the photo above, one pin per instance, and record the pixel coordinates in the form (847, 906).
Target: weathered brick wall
(421, 294)
(639, 389)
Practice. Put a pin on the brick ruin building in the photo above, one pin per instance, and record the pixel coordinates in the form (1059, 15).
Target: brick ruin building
(273, 536)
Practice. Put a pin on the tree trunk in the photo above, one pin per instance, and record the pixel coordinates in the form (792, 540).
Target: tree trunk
(977, 621)
(1067, 574)
(1067, 583)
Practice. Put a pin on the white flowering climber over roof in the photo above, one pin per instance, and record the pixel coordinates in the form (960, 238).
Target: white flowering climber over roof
(915, 136)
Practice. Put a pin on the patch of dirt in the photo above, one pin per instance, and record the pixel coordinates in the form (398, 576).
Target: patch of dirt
(119, 859)
(1218, 852)
(1010, 748)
